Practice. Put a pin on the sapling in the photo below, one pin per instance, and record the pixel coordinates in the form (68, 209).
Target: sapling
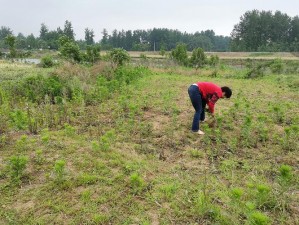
(106, 140)
(32, 123)
(258, 218)
(285, 179)
(59, 171)
(136, 182)
(17, 165)
(39, 158)
(263, 195)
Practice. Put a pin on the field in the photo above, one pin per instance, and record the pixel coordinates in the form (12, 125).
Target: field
(93, 145)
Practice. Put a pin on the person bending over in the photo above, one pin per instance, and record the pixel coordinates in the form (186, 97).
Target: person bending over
(202, 94)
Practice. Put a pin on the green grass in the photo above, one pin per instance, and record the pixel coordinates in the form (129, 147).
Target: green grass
(131, 158)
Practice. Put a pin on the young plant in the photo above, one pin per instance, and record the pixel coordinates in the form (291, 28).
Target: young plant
(258, 218)
(17, 165)
(59, 171)
(39, 158)
(106, 140)
(136, 183)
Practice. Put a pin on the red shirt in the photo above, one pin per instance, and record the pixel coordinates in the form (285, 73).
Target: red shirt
(210, 93)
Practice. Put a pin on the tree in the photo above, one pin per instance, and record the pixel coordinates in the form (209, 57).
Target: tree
(179, 54)
(31, 42)
(4, 32)
(21, 41)
(69, 49)
(92, 53)
(68, 30)
(43, 32)
(198, 58)
(294, 34)
(10, 40)
(262, 31)
(89, 35)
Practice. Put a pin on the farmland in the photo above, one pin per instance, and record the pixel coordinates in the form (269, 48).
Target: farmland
(99, 145)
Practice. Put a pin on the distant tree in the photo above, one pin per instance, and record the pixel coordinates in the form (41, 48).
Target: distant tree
(43, 32)
(68, 30)
(53, 39)
(179, 54)
(4, 32)
(262, 31)
(21, 41)
(200, 41)
(294, 34)
(31, 42)
(69, 49)
(89, 35)
(10, 40)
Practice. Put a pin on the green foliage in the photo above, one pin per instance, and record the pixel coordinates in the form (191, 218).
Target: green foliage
(258, 218)
(255, 32)
(92, 53)
(198, 58)
(106, 140)
(237, 193)
(69, 130)
(47, 61)
(10, 40)
(59, 170)
(179, 54)
(214, 60)
(285, 172)
(69, 49)
(119, 56)
(19, 119)
(277, 66)
(136, 182)
(17, 165)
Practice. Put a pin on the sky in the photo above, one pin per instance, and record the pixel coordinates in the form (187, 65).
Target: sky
(26, 16)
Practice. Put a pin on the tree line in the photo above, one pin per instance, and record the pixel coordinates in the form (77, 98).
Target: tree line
(256, 31)
(266, 31)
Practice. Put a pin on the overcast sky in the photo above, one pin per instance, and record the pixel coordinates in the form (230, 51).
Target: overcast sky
(26, 16)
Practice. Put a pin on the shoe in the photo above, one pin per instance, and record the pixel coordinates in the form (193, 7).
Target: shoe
(200, 132)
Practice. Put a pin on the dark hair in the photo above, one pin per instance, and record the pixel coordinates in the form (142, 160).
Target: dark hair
(227, 90)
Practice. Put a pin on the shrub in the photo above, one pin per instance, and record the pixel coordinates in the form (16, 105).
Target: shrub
(119, 56)
(47, 61)
(214, 60)
(19, 119)
(277, 66)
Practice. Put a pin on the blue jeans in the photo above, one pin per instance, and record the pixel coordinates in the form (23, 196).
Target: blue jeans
(199, 105)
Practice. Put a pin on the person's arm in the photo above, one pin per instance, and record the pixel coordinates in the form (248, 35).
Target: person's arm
(212, 101)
